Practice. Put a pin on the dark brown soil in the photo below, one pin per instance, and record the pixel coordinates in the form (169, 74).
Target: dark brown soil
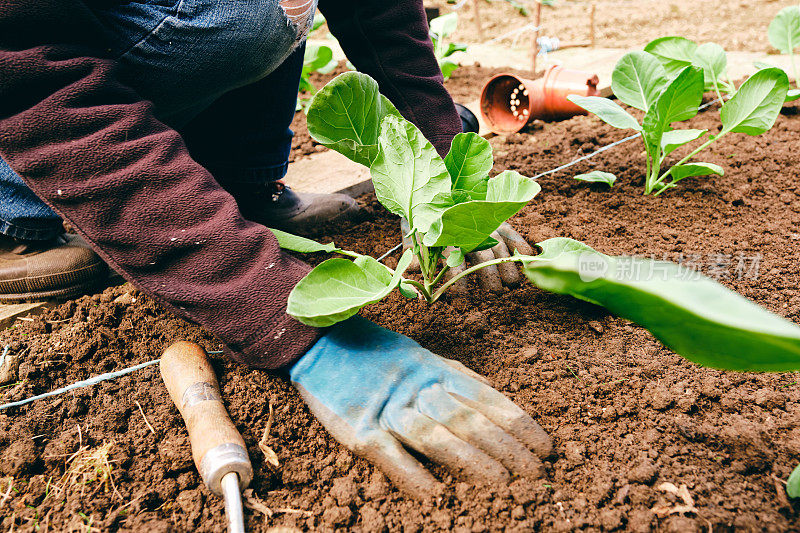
(626, 414)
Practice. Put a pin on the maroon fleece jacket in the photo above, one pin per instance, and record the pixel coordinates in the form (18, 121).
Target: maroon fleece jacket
(91, 148)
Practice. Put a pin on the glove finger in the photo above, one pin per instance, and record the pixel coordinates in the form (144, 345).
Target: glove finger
(473, 427)
(509, 272)
(460, 287)
(435, 441)
(488, 277)
(514, 240)
(404, 229)
(503, 412)
(378, 447)
(469, 372)
(400, 467)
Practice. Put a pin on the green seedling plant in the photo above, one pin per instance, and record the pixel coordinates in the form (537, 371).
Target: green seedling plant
(453, 206)
(440, 29)
(784, 35)
(641, 81)
(317, 58)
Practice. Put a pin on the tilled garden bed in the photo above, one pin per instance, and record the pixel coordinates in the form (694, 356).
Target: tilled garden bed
(627, 415)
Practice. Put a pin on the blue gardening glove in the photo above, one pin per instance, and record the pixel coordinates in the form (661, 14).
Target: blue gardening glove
(378, 393)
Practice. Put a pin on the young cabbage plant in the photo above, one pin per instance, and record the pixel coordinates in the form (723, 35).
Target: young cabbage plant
(640, 81)
(784, 34)
(440, 29)
(452, 204)
(677, 53)
(317, 58)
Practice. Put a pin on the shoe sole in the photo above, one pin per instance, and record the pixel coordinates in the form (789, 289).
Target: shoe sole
(92, 277)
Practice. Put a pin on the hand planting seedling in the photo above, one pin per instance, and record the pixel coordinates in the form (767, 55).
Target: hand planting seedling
(441, 28)
(453, 207)
(641, 81)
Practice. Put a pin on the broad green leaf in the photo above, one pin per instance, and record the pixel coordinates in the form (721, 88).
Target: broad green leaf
(598, 177)
(337, 288)
(456, 257)
(638, 79)
(784, 30)
(672, 140)
(445, 25)
(691, 314)
(408, 290)
(793, 483)
(606, 110)
(295, 243)
(316, 56)
(407, 171)
(489, 242)
(346, 116)
(330, 67)
(674, 53)
(755, 106)
(712, 59)
(689, 170)
(469, 224)
(452, 48)
(792, 95)
(447, 67)
(468, 163)
(679, 101)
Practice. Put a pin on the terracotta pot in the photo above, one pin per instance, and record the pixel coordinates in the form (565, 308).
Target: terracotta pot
(506, 111)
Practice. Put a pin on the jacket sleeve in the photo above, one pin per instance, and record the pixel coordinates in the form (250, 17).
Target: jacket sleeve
(92, 149)
(390, 42)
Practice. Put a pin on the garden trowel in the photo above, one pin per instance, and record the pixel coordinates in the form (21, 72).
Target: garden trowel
(217, 447)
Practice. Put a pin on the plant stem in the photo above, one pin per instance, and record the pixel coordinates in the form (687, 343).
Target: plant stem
(716, 88)
(794, 68)
(517, 258)
(419, 286)
(422, 256)
(685, 159)
(348, 252)
(439, 275)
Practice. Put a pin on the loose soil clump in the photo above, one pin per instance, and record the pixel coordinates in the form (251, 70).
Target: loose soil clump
(628, 417)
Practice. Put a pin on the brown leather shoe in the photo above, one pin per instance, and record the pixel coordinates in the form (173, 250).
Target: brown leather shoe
(62, 268)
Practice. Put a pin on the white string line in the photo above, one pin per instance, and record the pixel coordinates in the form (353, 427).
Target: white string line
(85, 383)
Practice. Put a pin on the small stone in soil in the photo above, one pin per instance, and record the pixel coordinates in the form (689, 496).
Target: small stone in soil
(596, 326)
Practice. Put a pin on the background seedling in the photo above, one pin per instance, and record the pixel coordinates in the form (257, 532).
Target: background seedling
(784, 34)
(317, 58)
(641, 81)
(440, 29)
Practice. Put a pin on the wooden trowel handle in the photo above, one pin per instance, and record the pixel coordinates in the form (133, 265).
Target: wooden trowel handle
(217, 447)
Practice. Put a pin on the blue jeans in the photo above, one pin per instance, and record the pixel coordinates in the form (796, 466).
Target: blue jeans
(224, 73)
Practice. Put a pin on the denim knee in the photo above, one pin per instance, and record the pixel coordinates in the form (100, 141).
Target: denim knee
(197, 50)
